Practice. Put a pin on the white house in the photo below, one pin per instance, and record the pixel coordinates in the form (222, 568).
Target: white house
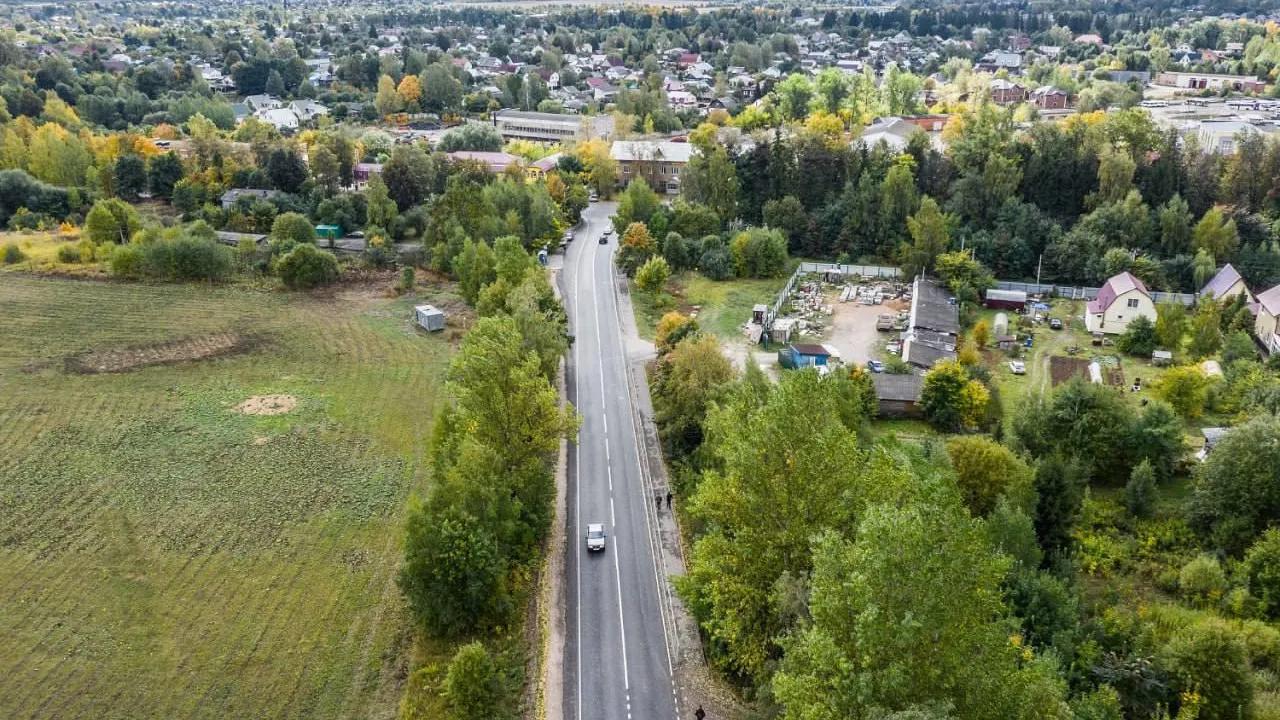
(261, 102)
(307, 109)
(1266, 325)
(1226, 284)
(1120, 300)
(280, 118)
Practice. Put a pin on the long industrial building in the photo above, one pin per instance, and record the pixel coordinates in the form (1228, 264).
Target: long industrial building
(551, 127)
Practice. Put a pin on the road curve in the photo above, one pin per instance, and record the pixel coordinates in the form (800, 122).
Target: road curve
(617, 662)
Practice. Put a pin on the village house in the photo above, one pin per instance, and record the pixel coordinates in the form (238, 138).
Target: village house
(1049, 98)
(1119, 301)
(1266, 324)
(1226, 284)
(1006, 92)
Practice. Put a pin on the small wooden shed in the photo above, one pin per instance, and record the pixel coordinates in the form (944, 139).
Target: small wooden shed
(429, 317)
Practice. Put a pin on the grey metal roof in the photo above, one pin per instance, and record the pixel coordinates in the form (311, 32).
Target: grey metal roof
(931, 308)
(902, 388)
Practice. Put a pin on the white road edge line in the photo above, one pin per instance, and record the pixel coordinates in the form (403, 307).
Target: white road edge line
(577, 488)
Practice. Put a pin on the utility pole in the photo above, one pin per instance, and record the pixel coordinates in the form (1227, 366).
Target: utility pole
(1039, 264)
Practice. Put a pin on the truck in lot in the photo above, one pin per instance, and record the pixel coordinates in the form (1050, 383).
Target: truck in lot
(884, 323)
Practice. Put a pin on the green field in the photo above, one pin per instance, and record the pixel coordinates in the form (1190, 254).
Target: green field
(163, 555)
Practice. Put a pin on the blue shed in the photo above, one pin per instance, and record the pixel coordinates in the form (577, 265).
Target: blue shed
(798, 355)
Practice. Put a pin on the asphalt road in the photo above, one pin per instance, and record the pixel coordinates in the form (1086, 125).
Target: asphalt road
(617, 663)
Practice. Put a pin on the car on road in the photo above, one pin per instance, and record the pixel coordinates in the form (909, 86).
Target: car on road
(1017, 367)
(604, 238)
(1055, 323)
(567, 237)
(594, 196)
(356, 234)
(875, 366)
(595, 537)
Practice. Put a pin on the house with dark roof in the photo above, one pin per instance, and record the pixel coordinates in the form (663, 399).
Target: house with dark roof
(231, 197)
(1119, 301)
(1226, 284)
(932, 326)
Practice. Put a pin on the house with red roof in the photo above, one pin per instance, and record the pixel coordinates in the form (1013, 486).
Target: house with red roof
(1119, 301)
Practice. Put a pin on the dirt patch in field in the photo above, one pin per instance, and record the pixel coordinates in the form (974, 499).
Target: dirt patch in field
(205, 347)
(1061, 369)
(267, 405)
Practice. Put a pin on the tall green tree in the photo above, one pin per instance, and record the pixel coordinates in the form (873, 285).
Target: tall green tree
(381, 211)
(1237, 489)
(930, 230)
(785, 468)
(1216, 234)
(884, 640)
(711, 179)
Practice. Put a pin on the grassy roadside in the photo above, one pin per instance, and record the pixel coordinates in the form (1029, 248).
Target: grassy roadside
(722, 306)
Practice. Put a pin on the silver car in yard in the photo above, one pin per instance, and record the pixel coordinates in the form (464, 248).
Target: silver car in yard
(595, 537)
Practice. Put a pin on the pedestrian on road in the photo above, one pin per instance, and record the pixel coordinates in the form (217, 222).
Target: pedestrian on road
(657, 501)
(668, 501)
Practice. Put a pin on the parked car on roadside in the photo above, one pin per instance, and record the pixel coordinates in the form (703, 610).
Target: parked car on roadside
(875, 366)
(894, 347)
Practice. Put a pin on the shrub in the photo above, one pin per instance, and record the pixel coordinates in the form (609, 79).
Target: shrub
(1262, 570)
(68, 253)
(759, 253)
(306, 267)
(473, 684)
(652, 276)
(111, 221)
(408, 279)
(672, 328)
(716, 264)
(1202, 580)
(1208, 659)
(1139, 338)
(187, 258)
(13, 254)
(127, 261)
(293, 227)
(1140, 492)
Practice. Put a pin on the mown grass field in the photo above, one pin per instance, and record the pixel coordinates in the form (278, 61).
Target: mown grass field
(164, 556)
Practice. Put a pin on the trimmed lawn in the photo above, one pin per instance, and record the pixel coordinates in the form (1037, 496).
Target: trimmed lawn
(164, 555)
